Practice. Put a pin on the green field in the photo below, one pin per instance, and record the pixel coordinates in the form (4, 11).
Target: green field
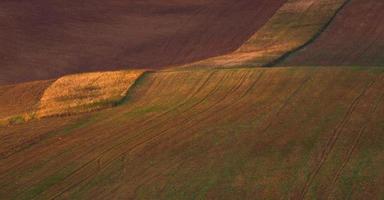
(211, 134)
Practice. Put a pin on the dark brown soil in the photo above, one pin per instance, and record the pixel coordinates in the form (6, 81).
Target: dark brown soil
(354, 38)
(44, 39)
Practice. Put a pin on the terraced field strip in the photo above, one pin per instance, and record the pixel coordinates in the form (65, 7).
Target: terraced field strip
(65, 96)
(293, 26)
(86, 92)
(354, 38)
(214, 134)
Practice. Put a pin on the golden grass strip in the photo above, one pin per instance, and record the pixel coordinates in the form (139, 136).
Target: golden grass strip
(86, 92)
(293, 25)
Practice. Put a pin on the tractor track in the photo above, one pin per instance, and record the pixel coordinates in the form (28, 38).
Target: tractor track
(332, 140)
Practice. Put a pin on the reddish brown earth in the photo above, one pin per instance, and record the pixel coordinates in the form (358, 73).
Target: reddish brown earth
(238, 133)
(354, 38)
(295, 24)
(43, 39)
(21, 98)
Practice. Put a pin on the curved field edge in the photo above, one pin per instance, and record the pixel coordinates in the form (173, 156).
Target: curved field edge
(295, 25)
(19, 102)
(68, 95)
(86, 92)
(299, 133)
(130, 34)
(355, 37)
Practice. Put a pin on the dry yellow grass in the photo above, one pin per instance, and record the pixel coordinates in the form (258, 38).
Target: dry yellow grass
(86, 92)
(293, 25)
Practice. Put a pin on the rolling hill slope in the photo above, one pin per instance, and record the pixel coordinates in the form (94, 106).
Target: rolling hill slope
(21, 100)
(211, 126)
(295, 24)
(354, 38)
(67, 95)
(46, 39)
(271, 133)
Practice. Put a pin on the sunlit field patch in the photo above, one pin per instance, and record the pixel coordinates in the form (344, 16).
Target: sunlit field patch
(86, 92)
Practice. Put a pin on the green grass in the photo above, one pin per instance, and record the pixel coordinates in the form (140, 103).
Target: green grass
(220, 149)
(46, 183)
(138, 82)
(16, 120)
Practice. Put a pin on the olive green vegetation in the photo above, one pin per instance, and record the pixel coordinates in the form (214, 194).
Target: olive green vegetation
(214, 134)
